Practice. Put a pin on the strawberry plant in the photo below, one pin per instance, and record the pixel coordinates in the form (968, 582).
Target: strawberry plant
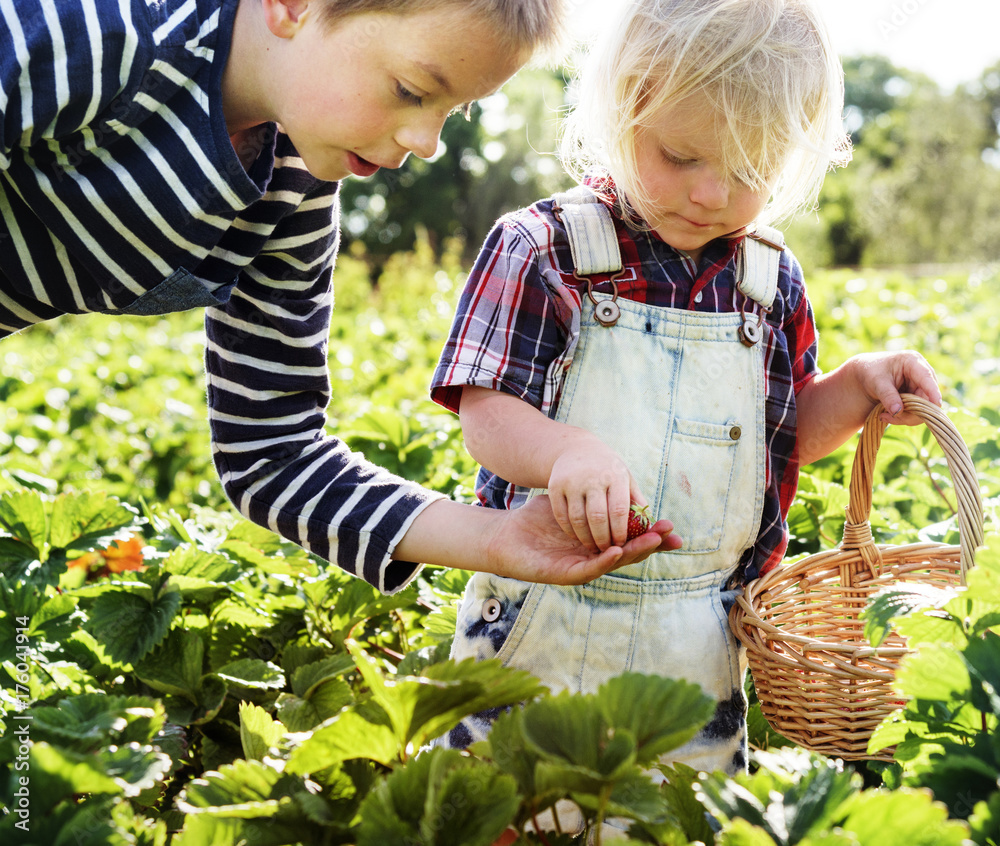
(171, 675)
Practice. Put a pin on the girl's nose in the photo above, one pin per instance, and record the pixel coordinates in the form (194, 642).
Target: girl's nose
(709, 189)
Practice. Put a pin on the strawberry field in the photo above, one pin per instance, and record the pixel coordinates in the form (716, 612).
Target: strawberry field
(170, 674)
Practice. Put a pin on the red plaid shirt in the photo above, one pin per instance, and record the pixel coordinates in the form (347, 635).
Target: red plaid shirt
(513, 332)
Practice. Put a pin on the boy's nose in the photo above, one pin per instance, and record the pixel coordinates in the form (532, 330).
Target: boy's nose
(420, 137)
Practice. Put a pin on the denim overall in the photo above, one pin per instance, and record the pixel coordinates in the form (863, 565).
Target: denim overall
(680, 396)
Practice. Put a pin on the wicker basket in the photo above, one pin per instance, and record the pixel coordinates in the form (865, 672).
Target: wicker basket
(820, 682)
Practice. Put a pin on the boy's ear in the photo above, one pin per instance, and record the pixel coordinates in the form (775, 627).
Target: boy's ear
(285, 17)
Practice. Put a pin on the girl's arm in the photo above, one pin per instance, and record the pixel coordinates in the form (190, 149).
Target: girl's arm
(589, 486)
(833, 406)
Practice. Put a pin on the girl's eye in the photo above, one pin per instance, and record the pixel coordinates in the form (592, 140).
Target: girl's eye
(674, 159)
(407, 96)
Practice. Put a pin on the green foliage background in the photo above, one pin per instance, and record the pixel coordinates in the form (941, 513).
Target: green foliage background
(238, 690)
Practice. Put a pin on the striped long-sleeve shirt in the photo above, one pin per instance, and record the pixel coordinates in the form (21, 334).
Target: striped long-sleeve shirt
(120, 191)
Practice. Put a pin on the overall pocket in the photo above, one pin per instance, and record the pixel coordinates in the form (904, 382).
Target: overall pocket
(695, 493)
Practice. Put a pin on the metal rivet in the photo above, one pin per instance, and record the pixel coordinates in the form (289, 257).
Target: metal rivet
(492, 609)
(607, 312)
(749, 334)
(735, 433)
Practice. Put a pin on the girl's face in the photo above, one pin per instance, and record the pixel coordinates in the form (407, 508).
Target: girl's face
(693, 200)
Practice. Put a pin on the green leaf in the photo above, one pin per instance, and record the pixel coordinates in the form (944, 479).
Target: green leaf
(135, 767)
(984, 821)
(253, 673)
(307, 677)
(507, 748)
(88, 822)
(91, 721)
(258, 731)
(175, 666)
(441, 798)
(423, 707)
(243, 790)
(660, 713)
(576, 752)
(982, 656)
(633, 796)
(324, 701)
(728, 800)
(740, 832)
(934, 672)
(902, 817)
(933, 626)
(211, 695)
(896, 602)
(23, 518)
(339, 602)
(349, 735)
(201, 565)
(682, 803)
(128, 770)
(47, 619)
(87, 521)
(130, 626)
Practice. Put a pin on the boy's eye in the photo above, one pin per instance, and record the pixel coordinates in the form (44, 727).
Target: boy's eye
(407, 96)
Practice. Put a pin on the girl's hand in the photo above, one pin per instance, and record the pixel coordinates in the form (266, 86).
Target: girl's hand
(883, 376)
(833, 406)
(590, 490)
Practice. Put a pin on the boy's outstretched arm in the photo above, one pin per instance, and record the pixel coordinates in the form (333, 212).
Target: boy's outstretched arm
(589, 486)
(834, 406)
(525, 543)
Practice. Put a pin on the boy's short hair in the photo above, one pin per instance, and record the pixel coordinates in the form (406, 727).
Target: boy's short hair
(766, 70)
(534, 26)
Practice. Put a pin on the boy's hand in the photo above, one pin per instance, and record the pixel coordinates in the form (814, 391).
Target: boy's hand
(530, 545)
(590, 490)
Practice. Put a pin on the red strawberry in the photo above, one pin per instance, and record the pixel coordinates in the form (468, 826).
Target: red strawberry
(638, 521)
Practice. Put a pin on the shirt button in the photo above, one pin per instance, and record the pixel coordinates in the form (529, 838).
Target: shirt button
(492, 609)
(697, 297)
(735, 433)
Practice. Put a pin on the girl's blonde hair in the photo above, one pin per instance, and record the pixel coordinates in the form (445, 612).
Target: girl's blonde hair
(766, 71)
(535, 27)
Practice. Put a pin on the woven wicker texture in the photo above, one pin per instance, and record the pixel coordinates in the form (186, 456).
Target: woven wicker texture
(820, 682)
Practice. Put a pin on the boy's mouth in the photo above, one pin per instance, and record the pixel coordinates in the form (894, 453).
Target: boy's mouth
(360, 166)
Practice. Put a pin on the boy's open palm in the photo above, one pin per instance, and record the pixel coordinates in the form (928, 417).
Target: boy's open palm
(530, 546)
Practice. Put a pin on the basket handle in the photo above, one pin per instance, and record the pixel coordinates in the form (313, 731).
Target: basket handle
(857, 529)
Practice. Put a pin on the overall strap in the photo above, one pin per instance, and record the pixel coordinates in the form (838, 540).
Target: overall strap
(594, 246)
(593, 242)
(761, 261)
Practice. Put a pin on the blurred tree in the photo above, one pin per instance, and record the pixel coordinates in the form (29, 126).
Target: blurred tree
(986, 92)
(872, 85)
(924, 184)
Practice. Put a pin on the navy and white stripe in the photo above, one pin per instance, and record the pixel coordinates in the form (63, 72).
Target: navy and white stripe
(120, 191)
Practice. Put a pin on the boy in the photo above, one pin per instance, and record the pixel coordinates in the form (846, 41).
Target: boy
(170, 155)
